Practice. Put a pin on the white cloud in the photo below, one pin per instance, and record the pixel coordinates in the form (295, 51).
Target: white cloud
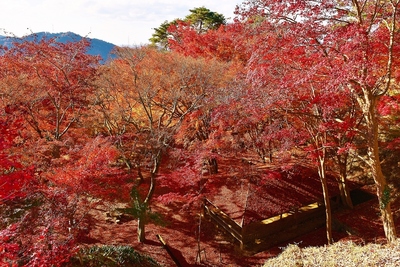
(120, 22)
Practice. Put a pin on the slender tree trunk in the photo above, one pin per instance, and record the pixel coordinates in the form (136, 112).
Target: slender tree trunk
(141, 228)
(327, 202)
(270, 151)
(151, 188)
(320, 140)
(345, 192)
(143, 214)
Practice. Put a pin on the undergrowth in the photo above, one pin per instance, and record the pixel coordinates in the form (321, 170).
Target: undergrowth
(111, 256)
(346, 254)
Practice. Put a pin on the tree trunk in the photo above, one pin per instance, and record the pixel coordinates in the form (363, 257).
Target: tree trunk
(143, 213)
(368, 105)
(56, 151)
(212, 166)
(386, 214)
(345, 192)
(343, 186)
(141, 228)
(270, 151)
(383, 193)
(327, 202)
(328, 211)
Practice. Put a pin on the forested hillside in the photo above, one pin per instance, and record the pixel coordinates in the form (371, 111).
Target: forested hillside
(289, 107)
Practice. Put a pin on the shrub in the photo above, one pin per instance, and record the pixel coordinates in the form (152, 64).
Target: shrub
(111, 256)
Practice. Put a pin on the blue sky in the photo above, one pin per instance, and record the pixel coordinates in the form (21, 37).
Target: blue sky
(121, 22)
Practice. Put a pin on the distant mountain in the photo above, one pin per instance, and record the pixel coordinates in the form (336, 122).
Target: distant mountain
(97, 47)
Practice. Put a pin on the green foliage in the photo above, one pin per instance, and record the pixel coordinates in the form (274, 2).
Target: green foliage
(386, 197)
(111, 256)
(202, 19)
(139, 209)
(161, 35)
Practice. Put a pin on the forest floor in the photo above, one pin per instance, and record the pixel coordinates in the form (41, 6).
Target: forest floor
(214, 248)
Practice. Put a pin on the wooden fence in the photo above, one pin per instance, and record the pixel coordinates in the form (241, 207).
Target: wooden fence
(259, 236)
(223, 220)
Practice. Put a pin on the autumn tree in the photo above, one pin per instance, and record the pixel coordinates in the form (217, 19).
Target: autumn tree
(15, 180)
(144, 97)
(203, 132)
(30, 226)
(251, 122)
(46, 90)
(372, 81)
(356, 42)
(224, 43)
(311, 114)
(44, 212)
(48, 83)
(300, 118)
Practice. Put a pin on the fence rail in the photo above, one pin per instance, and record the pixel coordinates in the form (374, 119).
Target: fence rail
(223, 220)
(258, 236)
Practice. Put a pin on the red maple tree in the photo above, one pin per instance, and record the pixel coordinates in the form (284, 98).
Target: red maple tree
(48, 83)
(223, 43)
(350, 47)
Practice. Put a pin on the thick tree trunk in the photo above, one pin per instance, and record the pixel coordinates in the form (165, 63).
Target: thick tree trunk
(383, 194)
(382, 190)
(386, 214)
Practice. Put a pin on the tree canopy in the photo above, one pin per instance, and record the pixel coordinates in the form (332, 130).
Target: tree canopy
(200, 19)
(294, 89)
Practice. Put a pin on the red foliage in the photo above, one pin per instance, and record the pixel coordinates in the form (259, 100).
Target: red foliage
(90, 169)
(223, 43)
(8, 250)
(19, 190)
(389, 105)
(14, 178)
(48, 83)
(181, 179)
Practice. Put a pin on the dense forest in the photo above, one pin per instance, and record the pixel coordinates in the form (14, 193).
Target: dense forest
(285, 83)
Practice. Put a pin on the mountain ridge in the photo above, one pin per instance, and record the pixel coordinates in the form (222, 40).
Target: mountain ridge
(97, 47)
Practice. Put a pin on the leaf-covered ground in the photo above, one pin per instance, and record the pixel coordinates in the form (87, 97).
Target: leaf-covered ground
(212, 248)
